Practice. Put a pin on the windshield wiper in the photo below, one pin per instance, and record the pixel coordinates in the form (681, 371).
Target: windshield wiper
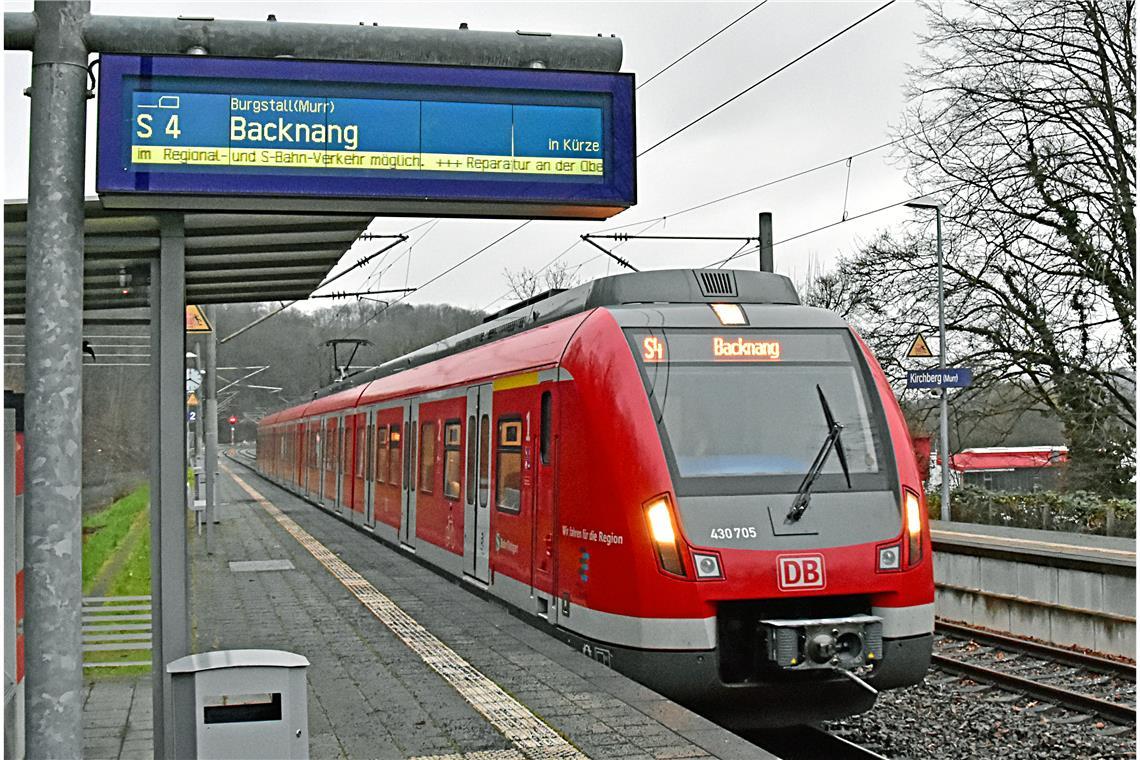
(832, 441)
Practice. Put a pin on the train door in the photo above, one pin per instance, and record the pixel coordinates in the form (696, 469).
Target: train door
(367, 472)
(408, 482)
(303, 460)
(356, 479)
(313, 461)
(544, 577)
(327, 432)
(299, 455)
(328, 476)
(477, 513)
(339, 465)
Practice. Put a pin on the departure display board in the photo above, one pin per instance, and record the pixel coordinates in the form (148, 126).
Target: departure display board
(400, 139)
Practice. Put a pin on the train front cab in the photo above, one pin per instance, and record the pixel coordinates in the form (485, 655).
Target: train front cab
(742, 637)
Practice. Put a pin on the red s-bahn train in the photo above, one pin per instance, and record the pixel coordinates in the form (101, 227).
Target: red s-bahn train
(685, 474)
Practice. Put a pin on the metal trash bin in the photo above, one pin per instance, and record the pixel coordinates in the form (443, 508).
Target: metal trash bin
(240, 704)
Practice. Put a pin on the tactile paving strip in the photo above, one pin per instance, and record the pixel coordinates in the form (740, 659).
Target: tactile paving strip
(533, 738)
(487, 754)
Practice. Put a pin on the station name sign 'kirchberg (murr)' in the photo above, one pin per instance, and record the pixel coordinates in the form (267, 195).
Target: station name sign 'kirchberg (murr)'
(558, 143)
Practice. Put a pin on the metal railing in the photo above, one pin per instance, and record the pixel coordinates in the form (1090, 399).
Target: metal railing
(116, 624)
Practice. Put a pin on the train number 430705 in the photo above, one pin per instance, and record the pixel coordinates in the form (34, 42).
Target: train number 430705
(735, 532)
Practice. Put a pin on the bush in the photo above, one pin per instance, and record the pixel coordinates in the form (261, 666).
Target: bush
(1074, 512)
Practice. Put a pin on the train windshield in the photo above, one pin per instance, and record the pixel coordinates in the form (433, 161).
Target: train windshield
(744, 403)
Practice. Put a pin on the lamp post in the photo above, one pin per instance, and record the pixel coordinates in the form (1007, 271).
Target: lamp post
(944, 422)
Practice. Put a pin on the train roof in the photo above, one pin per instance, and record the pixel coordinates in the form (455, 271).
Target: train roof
(676, 286)
(672, 286)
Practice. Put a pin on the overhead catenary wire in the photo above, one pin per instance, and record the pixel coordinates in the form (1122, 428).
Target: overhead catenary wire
(764, 79)
(682, 57)
(739, 252)
(836, 224)
(663, 141)
(568, 249)
(761, 186)
(374, 276)
(707, 40)
(328, 281)
(447, 271)
(372, 280)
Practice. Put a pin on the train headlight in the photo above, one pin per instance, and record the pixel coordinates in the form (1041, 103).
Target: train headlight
(912, 507)
(660, 520)
(729, 313)
(708, 565)
(890, 557)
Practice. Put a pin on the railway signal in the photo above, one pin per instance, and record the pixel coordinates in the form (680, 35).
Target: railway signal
(233, 424)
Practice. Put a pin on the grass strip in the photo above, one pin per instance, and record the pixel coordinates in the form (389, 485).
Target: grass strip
(133, 579)
(105, 530)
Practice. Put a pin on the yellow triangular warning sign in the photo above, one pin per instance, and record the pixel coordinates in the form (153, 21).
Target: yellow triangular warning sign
(919, 349)
(193, 400)
(196, 321)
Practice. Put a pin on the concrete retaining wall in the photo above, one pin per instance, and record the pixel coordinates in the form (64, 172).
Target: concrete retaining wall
(1045, 595)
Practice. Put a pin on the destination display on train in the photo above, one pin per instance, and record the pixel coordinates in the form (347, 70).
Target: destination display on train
(493, 142)
(759, 346)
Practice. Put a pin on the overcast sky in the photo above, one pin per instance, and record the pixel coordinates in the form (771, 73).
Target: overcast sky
(841, 100)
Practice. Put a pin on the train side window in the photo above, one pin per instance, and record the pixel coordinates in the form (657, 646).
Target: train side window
(452, 469)
(427, 456)
(340, 445)
(471, 459)
(359, 464)
(369, 457)
(326, 446)
(381, 453)
(394, 452)
(545, 432)
(508, 467)
(484, 459)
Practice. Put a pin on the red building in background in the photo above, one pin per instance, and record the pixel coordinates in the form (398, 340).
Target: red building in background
(1017, 468)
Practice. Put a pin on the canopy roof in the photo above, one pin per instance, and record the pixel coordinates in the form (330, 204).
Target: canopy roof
(230, 258)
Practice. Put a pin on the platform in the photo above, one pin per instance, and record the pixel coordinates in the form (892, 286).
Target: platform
(285, 575)
(1043, 545)
(1068, 589)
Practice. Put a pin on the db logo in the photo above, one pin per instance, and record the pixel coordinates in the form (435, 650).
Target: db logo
(800, 571)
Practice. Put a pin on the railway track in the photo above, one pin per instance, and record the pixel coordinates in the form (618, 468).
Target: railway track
(1077, 681)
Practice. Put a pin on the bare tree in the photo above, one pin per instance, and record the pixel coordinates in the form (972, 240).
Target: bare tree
(1021, 124)
(526, 283)
(1023, 120)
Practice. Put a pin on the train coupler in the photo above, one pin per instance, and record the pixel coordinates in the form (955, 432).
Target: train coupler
(842, 642)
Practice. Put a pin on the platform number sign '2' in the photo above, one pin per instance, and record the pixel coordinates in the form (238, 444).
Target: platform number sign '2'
(800, 571)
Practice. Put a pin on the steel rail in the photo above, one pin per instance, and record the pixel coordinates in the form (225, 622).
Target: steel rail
(1048, 651)
(1075, 700)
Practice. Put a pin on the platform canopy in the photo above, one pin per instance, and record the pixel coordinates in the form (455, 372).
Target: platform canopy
(230, 258)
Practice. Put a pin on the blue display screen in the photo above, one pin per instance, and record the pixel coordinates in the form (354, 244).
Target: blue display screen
(188, 125)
